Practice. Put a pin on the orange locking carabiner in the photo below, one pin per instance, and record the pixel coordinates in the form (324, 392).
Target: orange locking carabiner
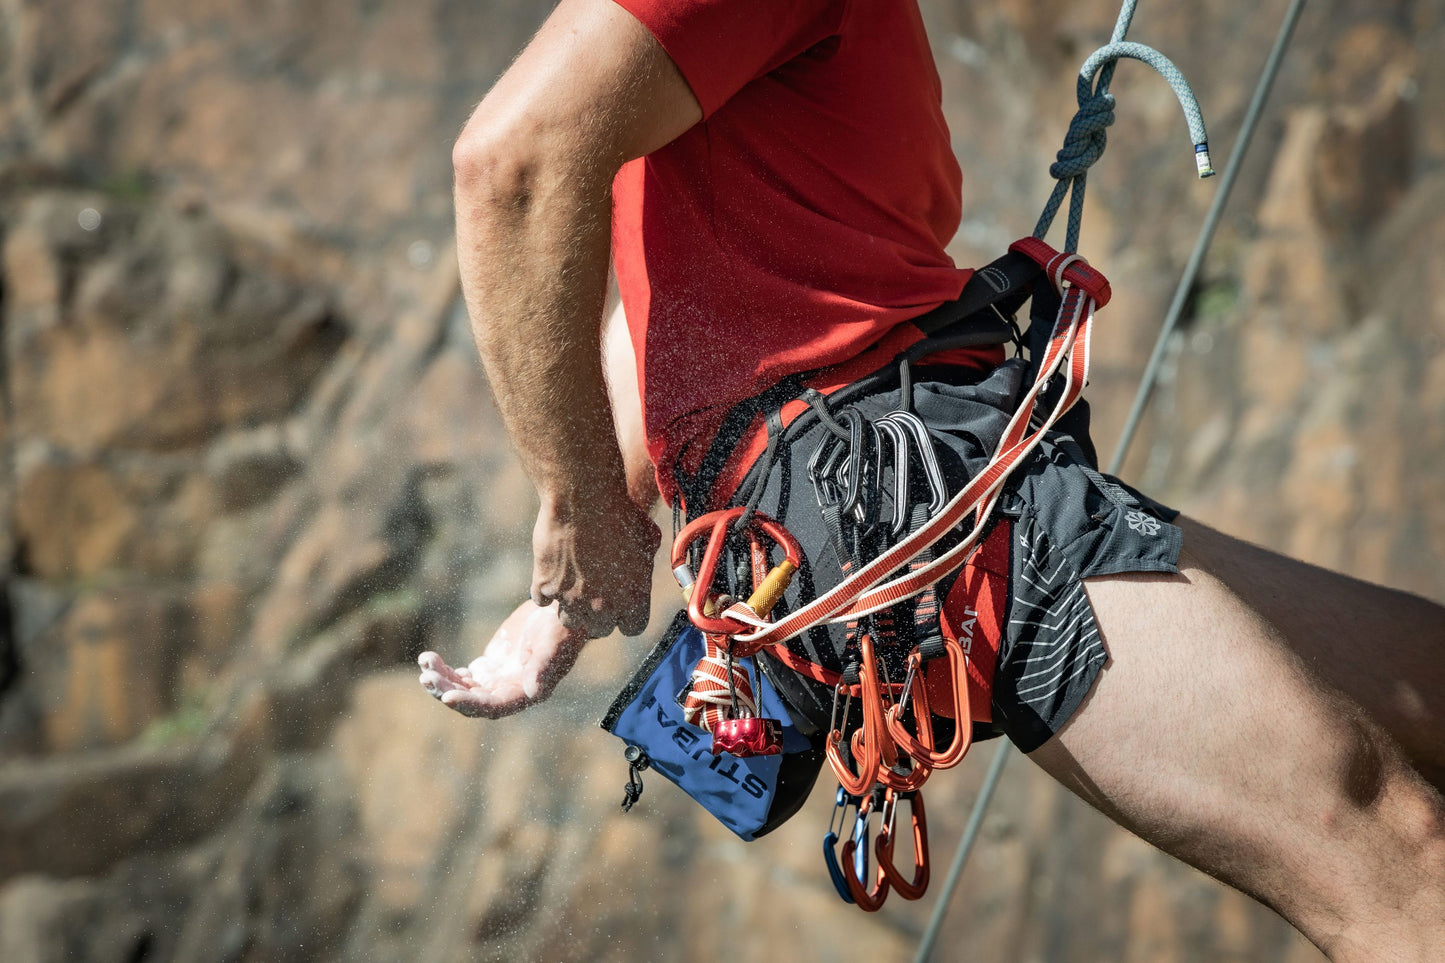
(883, 846)
(718, 527)
(922, 749)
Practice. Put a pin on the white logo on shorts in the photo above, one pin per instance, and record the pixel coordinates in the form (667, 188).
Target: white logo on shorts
(1142, 523)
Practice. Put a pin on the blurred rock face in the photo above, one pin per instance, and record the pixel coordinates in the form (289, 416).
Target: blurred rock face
(251, 468)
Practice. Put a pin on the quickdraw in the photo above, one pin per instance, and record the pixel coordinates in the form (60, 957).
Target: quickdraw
(881, 758)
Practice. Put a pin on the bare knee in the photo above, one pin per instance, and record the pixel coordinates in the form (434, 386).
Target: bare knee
(1389, 893)
(1419, 819)
(1376, 785)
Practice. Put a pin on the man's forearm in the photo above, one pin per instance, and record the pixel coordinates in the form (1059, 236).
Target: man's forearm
(534, 171)
(533, 242)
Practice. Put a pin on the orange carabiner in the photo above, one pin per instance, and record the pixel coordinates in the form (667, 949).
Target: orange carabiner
(856, 784)
(896, 778)
(914, 779)
(868, 897)
(717, 526)
(883, 846)
(872, 749)
(922, 749)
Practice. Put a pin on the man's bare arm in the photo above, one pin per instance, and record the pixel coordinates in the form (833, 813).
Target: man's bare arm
(534, 170)
(531, 651)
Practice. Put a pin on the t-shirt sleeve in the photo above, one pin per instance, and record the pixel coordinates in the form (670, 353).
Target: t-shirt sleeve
(721, 45)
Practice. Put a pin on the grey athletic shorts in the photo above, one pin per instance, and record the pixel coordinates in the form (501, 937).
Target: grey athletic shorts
(1069, 522)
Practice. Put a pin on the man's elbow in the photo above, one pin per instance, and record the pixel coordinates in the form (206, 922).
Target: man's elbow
(493, 170)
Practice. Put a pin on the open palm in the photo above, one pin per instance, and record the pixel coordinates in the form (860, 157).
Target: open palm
(526, 657)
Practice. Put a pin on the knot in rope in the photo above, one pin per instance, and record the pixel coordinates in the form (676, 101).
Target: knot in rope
(1084, 143)
(1086, 139)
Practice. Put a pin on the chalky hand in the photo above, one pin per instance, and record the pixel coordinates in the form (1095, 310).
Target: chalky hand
(529, 653)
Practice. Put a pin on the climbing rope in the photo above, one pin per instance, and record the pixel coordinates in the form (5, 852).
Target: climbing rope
(1093, 130)
(1206, 233)
(1085, 141)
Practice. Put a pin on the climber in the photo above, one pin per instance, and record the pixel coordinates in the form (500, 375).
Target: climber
(775, 187)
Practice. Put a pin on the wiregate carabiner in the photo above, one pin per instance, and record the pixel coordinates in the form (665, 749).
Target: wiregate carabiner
(922, 748)
(830, 843)
(853, 467)
(884, 844)
(821, 467)
(868, 896)
(911, 424)
(870, 744)
(893, 433)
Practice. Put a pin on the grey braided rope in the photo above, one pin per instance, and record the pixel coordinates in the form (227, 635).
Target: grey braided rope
(1085, 141)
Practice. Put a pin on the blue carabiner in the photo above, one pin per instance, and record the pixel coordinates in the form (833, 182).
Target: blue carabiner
(860, 845)
(830, 848)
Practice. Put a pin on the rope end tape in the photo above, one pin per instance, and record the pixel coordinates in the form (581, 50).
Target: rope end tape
(1201, 160)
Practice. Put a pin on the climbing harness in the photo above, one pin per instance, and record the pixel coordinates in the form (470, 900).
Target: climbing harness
(899, 682)
(901, 707)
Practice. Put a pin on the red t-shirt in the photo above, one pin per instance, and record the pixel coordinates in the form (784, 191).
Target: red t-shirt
(801, 222)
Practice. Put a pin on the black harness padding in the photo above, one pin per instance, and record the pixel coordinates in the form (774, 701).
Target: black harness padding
(992, 294)
(697, 489)
(981, 315)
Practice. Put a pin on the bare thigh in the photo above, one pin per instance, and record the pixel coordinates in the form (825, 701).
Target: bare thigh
(1383, 648)
(1212, 733)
